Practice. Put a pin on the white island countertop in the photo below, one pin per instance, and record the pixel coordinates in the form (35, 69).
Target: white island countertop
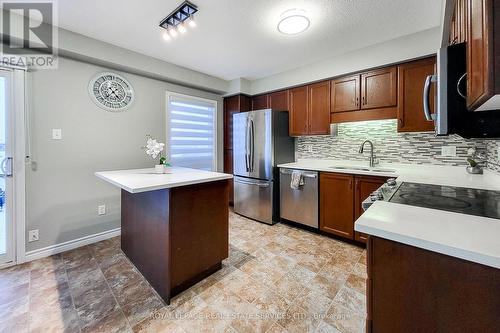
(143, 180)
(467, 237)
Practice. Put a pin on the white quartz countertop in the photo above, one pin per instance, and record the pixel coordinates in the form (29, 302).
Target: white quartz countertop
(468, 237)
(142, 180)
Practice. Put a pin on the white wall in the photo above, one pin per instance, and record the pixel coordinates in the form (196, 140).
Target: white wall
(62, 191)
(408, 47)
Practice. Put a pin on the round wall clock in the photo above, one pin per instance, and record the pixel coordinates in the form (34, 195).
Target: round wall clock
(111, 92)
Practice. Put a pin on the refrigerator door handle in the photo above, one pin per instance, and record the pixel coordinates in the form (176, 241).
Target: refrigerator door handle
(252, 146)
(247, 164)
(249, 182)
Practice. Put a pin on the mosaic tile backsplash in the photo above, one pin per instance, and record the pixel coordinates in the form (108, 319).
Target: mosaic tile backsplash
(391, 146)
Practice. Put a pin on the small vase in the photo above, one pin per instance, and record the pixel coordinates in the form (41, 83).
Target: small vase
(159, 168)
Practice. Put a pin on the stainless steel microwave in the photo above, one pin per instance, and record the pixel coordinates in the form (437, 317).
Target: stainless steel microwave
(451, 115)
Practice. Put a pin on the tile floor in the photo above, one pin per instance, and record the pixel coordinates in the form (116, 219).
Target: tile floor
(277, 279)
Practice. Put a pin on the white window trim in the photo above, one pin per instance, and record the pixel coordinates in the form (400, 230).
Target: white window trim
(167, 128)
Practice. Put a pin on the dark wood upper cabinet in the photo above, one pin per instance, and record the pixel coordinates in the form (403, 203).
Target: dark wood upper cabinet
(260, 102)
(483, 52)
(458, 29)
(232, 105)
(364, 186)
(337, 204)
(412, 77)
(379, 88)
(298, 104)
(279, 100)
(319, 108)
(345, 94)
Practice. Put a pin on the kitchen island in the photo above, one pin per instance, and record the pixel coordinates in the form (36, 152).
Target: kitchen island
(174, 226)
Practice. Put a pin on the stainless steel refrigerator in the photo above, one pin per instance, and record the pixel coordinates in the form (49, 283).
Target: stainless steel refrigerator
(260, 142)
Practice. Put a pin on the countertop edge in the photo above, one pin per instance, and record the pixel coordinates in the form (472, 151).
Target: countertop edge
(451, 251)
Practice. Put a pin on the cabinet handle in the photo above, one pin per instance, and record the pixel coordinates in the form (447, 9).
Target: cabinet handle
(357, 101)
(363, 100)
(401, 122)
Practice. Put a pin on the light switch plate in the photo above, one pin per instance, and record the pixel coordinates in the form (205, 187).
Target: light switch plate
(56, 134)
(101, 209)
(449, 151)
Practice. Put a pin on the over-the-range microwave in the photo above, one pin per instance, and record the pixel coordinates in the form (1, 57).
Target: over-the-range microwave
(451, 115)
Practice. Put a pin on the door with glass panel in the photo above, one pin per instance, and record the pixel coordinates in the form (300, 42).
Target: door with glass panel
(6, 172)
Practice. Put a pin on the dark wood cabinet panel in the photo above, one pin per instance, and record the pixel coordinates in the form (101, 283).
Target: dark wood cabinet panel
(345, 94)
(364, 186)
(336, 204)
(232, 105)
(228, 168)
(415, 290)
(298, 104)
(319, 108)
(412, 77)
(379, 88)
(279, 100)
(483, 52)
(260, 102)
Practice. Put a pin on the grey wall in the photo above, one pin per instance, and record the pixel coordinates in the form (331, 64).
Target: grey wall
(391, 146)
(62, 193)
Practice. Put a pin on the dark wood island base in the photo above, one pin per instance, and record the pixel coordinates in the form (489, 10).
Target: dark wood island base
(177, 236)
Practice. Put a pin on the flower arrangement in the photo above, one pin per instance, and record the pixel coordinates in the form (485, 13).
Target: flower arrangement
(154, 148)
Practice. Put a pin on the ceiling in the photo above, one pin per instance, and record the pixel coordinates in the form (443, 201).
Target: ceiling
(239, 39)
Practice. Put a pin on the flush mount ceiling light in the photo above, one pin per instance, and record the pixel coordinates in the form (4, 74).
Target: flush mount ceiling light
(293, 21)
(177, 21)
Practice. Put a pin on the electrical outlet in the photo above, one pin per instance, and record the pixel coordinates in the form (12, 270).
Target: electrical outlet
(101, 209)
(498, 152)
(57, 134)
(33, 235)
(449, 151)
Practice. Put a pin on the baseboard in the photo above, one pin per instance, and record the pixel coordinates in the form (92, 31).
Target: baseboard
(70, 245)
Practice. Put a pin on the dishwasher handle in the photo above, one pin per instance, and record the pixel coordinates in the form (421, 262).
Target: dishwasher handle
(304, 174)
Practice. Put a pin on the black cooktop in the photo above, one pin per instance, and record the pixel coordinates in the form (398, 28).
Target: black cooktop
(453, 199)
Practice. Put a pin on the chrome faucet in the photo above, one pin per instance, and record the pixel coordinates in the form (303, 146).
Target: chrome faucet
(372, 156)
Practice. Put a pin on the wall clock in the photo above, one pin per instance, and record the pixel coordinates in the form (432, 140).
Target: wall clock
(111, 92)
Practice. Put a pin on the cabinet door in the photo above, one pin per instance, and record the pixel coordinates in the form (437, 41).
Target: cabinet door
(379, 88)
(298, 103)
(260, 102)
(228, 168)
(364, 186)
(412, 77)
(279, 100)
(480, 69)
(231, 106)
(319, 108)
(345, 94)
(337, 204)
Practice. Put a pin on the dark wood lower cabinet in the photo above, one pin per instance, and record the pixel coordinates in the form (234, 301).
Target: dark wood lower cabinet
(176, 237)
(415, 290)
(337, 204)
(341, 196)
(364, 186)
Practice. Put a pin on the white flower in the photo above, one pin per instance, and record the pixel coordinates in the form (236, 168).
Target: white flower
(153, 147)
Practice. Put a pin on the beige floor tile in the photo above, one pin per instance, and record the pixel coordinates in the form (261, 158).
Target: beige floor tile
(352, 300)
(357, 283)
(344, 319)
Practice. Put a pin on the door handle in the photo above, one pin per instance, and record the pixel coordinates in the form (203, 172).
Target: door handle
(464, 96)
(7, 167)
(252, 146)
(427, 89)
(251, 183)
(247, 153)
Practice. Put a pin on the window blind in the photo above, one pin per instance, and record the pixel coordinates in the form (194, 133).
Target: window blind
(191, 134)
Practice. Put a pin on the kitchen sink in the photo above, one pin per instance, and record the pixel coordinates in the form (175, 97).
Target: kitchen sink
(360, 168)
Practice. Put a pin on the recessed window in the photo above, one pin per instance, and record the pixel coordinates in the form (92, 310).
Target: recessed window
(191, 132)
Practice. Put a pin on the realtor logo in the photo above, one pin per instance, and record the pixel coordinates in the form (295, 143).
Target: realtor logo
(29, 34)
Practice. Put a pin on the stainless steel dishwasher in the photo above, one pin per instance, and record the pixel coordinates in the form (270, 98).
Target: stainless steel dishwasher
(300, 205)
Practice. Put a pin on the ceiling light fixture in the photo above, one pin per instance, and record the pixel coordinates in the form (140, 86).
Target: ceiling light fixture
(175, 20)
(293, 21)
(166, 36)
